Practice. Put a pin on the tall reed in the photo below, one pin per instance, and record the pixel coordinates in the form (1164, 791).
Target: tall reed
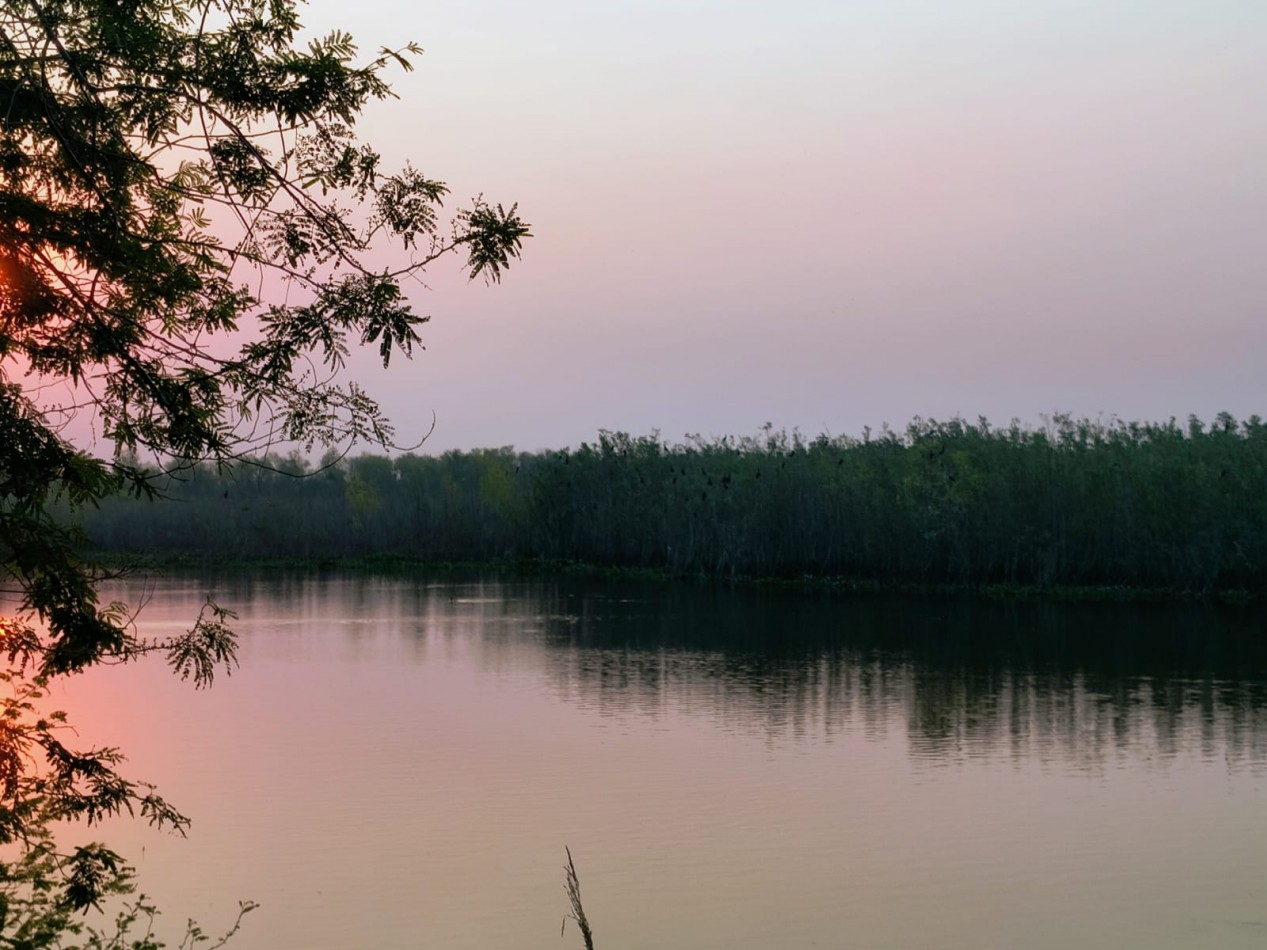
(1070, 502)
(572, 886)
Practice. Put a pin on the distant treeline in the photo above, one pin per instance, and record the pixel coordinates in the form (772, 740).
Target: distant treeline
(1070, 503)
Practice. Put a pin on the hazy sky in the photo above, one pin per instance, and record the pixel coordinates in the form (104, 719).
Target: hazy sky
(828, 215)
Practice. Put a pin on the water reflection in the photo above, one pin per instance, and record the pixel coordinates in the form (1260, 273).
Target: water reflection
(1082, 683)
(759, 768)
(1078, 682)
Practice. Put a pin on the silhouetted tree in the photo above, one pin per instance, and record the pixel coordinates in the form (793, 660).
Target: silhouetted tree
(169, 171)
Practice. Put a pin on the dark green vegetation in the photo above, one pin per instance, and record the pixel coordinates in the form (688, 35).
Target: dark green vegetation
(169, 170)
(1072, 504)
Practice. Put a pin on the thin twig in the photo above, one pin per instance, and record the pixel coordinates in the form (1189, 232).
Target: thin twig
(572, 885)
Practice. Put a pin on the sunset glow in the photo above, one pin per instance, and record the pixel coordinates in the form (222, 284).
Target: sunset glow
(825, 509)
(832, 215)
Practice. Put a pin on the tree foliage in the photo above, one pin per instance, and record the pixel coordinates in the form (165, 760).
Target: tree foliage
(1071, 503)
(190, 243)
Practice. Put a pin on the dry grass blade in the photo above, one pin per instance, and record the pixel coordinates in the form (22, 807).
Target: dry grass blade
(572, 885)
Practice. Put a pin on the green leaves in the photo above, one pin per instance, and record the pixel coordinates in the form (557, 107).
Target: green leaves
(331, 158)
(190, 236)
(209, 645)
(406, 204)
(240, 166)
(492, 236)
(117, 259)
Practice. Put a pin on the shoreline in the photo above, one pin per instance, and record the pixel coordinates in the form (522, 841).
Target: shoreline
(393, 565)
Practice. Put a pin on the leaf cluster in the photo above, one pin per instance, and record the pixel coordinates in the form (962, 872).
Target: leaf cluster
(191, 238)
(163, 165)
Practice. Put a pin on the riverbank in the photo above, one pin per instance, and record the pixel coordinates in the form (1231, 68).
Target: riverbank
(1074, 508)
(395, 566)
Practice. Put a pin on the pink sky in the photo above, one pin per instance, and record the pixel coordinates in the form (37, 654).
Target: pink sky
(828, 215)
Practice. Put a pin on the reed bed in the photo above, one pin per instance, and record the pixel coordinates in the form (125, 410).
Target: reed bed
(1071, 502)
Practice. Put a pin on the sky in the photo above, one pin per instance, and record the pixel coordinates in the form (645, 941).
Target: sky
(831, 215)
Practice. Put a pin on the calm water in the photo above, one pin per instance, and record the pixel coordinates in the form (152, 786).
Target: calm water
(400, 764)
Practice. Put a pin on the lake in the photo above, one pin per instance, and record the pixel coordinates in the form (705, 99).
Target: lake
(401, 762)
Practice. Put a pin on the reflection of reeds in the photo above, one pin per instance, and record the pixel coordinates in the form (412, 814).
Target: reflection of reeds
(572, 885)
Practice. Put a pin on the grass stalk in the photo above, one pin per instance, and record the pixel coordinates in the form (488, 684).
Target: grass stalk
(572, 885)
